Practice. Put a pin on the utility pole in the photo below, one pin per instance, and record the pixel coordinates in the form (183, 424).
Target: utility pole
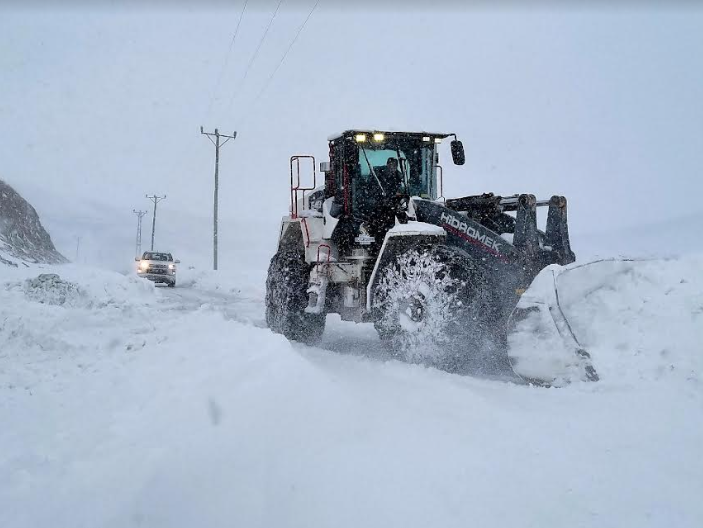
(139, 230)
(78, 245)
(217, 144)
(156, 200)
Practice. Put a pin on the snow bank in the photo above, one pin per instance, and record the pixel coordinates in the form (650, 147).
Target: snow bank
(91, 289)
(49, 312)
(141, 412)
(638, 320)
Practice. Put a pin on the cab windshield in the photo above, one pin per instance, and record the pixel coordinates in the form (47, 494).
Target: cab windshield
(165, 257)
(391, 168)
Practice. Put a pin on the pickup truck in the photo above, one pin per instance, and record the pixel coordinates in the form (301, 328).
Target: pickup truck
(157, 267)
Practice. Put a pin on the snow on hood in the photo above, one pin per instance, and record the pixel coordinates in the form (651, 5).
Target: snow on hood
(416, 228)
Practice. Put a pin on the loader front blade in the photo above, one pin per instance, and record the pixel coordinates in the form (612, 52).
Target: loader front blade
(542, 347)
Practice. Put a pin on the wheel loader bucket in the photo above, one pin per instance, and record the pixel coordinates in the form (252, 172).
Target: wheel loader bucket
(542, 347)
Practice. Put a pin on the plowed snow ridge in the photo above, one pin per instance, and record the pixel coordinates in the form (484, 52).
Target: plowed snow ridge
(638, 319)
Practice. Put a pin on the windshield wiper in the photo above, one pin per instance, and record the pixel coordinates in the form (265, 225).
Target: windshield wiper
(383, 191)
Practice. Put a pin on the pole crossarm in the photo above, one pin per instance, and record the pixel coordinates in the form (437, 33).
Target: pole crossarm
(217, 133)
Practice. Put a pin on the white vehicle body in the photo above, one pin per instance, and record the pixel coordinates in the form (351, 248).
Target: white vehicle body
(158, 267)
(355, 272)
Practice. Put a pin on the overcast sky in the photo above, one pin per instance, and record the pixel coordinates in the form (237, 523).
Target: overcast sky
(100, 106)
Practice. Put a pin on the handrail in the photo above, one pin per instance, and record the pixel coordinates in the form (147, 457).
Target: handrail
(440, 177)
(295, 185)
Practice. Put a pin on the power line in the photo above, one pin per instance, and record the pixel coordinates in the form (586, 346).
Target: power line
(224, 66)
(254, 56)
(283, 58)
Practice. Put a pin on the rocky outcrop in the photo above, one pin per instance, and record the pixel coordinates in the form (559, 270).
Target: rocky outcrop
(22, 237)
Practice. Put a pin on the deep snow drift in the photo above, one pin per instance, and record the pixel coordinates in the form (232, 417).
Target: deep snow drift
(638, 319)
(127, 405)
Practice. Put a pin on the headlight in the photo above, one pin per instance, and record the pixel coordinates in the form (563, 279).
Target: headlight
(143, 265)
(171, 266)
(378, 137)
(360, 138)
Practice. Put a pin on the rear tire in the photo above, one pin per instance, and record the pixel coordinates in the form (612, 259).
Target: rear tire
(431, 305)
(286, 298)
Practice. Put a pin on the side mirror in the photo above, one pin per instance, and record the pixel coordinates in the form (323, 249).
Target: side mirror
(137, 259)
(458, 152)
(176, 261)
(325, 166)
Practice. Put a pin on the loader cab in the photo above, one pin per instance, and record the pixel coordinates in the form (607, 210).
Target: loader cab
(369, 169)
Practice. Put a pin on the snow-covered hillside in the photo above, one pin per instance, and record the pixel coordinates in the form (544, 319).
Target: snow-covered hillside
(123, 405)
(22, 236)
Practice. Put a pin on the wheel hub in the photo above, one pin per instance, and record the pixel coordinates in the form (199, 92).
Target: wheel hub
(414, 308)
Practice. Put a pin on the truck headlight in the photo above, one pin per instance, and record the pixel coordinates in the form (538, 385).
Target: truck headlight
(143, 265)
(171, 266)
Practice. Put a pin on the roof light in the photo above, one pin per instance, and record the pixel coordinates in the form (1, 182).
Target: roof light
(378, 136)
(426, 139)
(360, 138)
(437, 140)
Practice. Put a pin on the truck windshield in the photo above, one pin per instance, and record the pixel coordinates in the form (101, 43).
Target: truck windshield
(390, 168)
(166, 257)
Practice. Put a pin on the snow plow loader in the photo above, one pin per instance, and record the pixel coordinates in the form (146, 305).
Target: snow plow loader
(441, 279)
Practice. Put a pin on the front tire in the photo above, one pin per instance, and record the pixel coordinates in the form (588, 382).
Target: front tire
(430, 306)
(286, 298)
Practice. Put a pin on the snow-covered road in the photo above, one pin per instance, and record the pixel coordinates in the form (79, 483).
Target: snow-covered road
(125, 405)
(248, 308)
